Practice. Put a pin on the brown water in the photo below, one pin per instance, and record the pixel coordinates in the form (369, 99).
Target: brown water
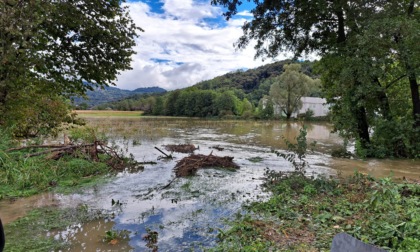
(188, 213)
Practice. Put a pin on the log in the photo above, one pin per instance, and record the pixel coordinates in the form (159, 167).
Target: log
(59, 149)
(36, 146)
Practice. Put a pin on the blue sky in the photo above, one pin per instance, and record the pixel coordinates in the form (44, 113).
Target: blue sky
(185, 41)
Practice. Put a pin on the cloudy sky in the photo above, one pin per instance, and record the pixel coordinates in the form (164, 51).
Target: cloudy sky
(185, 41)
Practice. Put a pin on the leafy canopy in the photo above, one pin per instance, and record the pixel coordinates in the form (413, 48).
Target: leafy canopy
(63, 47)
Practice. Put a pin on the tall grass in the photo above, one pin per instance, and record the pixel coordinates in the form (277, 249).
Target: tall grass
(23, 176)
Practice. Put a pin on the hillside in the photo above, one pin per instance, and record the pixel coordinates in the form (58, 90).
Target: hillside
(109, 94)
(234, 93)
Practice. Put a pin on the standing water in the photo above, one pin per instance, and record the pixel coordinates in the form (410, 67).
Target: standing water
(188, 214)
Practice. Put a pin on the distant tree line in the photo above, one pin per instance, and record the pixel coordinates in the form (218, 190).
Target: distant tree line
(245, 94)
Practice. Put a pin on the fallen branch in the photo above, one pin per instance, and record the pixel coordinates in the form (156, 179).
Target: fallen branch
(59, 149)
(36, 146)
(167, 156)
(182, 148)
(170, 182)
(189, 165)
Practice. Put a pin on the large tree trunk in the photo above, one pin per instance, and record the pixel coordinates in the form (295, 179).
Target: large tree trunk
(3, 96)
(383, 101)
(414, 86)
(415, 98)
(362, 126)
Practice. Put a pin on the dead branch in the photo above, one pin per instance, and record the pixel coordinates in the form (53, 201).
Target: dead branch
(36, 146)
(59, 149)
(167, 156)
(189, 165)
(182, 148)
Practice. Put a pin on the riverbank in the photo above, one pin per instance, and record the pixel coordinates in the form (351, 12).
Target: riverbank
(34, 167)
(303, 214)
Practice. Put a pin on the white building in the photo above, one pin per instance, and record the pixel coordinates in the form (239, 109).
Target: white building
(316, 104)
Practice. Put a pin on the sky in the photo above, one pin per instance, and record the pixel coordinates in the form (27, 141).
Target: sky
(185, 42)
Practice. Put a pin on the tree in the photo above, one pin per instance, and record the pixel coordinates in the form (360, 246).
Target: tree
(158, 108)
(246, 108)
(289, 88)
(62, 48)
(265, 108)
(226, 103)
(358, 41)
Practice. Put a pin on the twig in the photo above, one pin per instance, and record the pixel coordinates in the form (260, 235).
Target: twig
(170, 182)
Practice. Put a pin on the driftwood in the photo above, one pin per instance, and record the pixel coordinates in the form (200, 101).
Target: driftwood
(182, 148)
(217, 147)
(59, 148)
(36, 146)
(85, 151)
(189, 165)
(166, 155)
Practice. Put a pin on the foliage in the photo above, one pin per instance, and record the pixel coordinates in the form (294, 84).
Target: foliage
(231, 95)
(100, 96)
(51, 49)
(265, 109)
(297, 151)
(369, 67)
(113, 237)
(299, 214)
(29, 233)
(23, 176)
(288, 89)
(35, 114)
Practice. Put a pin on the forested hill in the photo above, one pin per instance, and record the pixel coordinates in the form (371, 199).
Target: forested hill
(250, 79)
(109, 94)
(231, 93)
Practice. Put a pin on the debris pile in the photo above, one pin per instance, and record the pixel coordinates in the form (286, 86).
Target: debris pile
(90, 151)
(189, 165)
(182, 148)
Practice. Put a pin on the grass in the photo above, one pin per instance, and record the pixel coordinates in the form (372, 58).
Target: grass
(22, 176)
(29, 233)
(304, 214)
(107, 113)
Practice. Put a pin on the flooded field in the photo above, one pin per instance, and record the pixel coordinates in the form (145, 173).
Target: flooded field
(188, 214)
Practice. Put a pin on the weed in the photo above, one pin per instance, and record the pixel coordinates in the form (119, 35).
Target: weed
(297, 152)
(114, 236)
(310, 211)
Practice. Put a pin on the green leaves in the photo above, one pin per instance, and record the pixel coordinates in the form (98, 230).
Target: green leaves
(289, 88)
(61, 48)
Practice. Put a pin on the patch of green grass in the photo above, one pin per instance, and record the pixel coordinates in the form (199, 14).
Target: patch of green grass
(22, 176)
(29, 233)
(304, 214)
(255, 159)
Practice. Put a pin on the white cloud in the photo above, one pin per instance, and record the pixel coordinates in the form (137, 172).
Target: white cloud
(245, 14)
(181, 47)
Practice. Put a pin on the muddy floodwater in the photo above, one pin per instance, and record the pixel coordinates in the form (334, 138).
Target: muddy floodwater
(188, 214)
